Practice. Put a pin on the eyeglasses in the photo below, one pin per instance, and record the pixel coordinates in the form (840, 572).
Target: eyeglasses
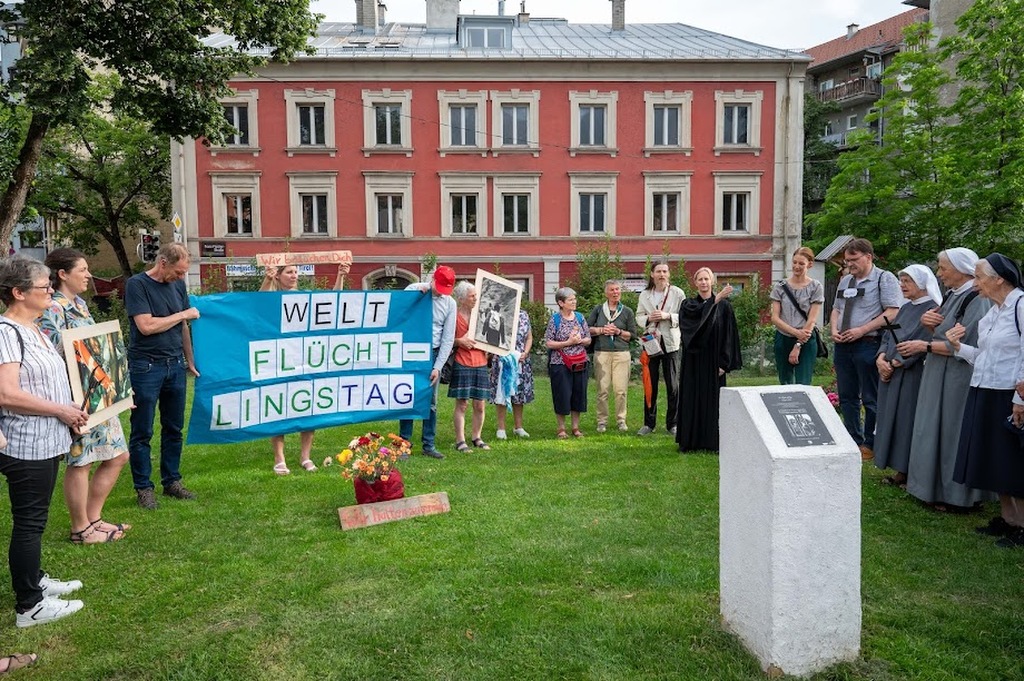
(850, 261)
(42, 288)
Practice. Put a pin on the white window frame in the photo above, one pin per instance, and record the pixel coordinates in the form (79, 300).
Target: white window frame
(520, 183)
(229, 183)
(529, 98)
(249, 99)
(684, 102)
(609, 100)
(446, 99)
(738, 182)
(592, 183)
(386, 182)
(322, 182)
(293, 99)
(739, 97)
(852, 122)
(371, 98)
(463, 183)
(505, 37)
(667, 182)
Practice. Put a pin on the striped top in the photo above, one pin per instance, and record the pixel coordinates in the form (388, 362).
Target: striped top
(44, 374)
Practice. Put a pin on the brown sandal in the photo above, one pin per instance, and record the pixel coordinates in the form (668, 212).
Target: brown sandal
(18, 661)
(562, 434)
(577, 432)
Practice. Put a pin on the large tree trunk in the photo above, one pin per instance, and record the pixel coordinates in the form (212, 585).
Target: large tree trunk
(113, 237)
(13, 200)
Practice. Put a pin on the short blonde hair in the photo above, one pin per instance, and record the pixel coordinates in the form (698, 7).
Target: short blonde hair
(714, 278)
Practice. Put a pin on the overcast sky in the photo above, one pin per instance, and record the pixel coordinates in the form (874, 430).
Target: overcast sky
(778, 23)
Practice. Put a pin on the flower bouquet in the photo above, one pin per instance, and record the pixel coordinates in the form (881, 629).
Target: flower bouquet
(370, 462)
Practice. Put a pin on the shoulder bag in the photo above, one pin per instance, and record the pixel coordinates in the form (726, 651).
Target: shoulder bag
(822, 350)
(651, 340)
(576, 360)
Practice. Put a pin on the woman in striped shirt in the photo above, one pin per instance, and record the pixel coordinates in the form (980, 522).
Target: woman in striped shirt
(36, 415)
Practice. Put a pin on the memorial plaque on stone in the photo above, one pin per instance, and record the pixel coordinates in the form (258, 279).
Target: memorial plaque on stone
(797, 420)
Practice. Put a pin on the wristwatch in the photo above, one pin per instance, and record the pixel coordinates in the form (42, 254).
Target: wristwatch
(798, 344)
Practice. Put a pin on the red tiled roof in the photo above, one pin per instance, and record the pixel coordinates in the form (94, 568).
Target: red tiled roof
(883, 34)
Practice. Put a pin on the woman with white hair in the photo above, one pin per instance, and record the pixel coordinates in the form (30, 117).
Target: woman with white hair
(470, 378)
(944, 383)
(989, 455)
(899, 376)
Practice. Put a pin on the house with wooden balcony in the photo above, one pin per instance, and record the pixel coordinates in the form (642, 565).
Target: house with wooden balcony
(848, 70)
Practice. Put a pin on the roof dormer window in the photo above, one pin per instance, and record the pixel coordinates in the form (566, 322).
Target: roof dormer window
(488, 33)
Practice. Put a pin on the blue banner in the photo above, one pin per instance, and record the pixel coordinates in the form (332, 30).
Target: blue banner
(273, 363)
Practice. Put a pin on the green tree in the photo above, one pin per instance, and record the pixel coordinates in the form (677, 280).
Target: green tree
(169, 76)
(897, 193)
(988, 129)
(596, 264)
(105, 177)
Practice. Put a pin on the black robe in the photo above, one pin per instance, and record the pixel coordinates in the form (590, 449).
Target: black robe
(710, 341)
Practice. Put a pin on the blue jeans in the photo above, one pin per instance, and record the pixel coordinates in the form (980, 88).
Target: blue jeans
(160, 383)
(30, 486)
(429, 425)
(857, 381)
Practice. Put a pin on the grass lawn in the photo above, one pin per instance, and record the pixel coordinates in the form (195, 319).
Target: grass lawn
(579, 559)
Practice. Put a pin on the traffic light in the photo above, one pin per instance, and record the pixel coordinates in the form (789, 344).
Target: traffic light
(150, 245)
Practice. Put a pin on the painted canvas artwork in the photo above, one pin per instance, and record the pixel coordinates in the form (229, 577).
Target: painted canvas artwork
(98, 369)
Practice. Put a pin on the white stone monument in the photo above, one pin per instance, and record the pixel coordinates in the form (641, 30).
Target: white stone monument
(789, 509)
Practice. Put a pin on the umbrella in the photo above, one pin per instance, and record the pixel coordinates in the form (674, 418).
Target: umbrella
(645, 375)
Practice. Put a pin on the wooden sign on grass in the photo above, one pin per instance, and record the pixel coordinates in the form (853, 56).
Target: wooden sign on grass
(364, 515)
(315, 258)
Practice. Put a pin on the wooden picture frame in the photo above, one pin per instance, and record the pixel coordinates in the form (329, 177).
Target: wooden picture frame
(494, 322)
(97, 364)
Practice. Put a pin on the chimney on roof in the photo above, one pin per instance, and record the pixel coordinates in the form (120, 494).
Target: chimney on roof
(382, 13)
(366, 15)
(442, 15)
(851, 31)
(618, 15)
(524, 16)
(501, 8)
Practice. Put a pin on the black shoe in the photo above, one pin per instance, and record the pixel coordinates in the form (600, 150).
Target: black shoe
(178, 491)
(146, 498)
(1013, 539)
(433, 454)
(997, 527)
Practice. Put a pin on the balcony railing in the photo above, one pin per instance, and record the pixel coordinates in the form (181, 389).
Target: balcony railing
(860, 87)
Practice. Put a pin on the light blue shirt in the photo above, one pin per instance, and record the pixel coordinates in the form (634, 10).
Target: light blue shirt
(443, 335)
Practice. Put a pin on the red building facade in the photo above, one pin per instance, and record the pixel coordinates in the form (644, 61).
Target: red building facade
(399, 141)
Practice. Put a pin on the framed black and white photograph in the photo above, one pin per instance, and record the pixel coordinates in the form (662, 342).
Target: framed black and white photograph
(494, 321)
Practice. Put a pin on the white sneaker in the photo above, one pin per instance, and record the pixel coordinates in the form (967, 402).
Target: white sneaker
(501, 435)
(623, 427)
(521, 433)
(54, 587)
(47, 610)
(601, 428)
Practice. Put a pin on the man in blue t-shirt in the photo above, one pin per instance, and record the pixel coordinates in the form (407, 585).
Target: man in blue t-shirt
(159, 354)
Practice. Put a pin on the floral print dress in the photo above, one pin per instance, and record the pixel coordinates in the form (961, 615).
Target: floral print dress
(524, 387)
(103, 441)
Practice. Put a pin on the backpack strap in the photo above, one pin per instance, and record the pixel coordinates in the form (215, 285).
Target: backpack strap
(961, 310)
(21, 343)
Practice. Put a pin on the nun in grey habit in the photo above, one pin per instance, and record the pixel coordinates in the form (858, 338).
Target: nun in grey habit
(944, 385)
(900, 376)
